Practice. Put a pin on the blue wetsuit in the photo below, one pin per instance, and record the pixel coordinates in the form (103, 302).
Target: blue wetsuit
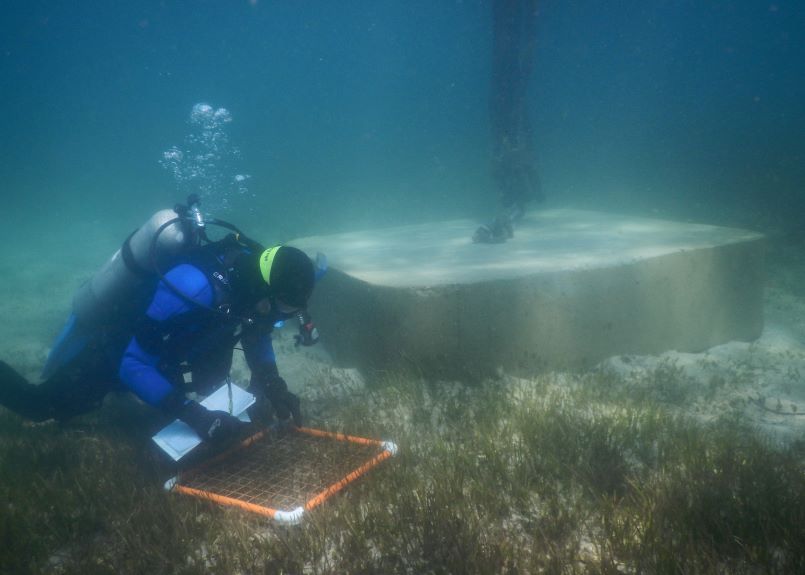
(171, 327)
(173, 337)
(177, 336)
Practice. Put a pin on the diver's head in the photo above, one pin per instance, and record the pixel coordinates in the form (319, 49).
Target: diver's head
(289, 275)
(280, 278)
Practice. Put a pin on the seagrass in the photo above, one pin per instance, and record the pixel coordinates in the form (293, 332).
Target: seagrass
(272, 472)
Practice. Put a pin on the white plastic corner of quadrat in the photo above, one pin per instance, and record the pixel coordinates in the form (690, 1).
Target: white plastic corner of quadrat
(171, 483)
(291, 517)
(390, 446)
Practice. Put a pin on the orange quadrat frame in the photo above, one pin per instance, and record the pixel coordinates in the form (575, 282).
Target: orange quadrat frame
(283, 475)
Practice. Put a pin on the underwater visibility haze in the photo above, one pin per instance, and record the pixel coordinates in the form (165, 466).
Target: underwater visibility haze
(295, 119)
(379, 111)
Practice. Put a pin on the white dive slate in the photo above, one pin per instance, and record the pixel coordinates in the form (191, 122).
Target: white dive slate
(177, 438)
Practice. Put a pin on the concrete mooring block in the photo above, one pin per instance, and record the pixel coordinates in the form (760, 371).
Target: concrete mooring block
(572, 288)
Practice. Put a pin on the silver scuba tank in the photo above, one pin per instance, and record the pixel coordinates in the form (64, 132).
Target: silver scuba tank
(120, 278)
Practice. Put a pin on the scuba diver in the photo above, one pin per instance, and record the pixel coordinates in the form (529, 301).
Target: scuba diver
(135, 328)
(513, 165)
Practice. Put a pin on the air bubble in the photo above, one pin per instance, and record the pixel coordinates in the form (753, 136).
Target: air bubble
(204, 165)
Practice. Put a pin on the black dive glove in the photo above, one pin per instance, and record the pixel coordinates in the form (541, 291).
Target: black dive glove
(214, 426)
(285, 403)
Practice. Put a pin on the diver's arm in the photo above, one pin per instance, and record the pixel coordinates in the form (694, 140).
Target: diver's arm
(139, 370)
(266, 382)
(259, 351)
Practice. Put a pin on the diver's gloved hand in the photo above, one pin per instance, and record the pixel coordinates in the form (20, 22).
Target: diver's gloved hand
(214, 426)
(285, 403)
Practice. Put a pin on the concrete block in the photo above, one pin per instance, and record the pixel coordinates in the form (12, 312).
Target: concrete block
(572, 288)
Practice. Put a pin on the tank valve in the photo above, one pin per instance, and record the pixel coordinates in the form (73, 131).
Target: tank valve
(193, 203)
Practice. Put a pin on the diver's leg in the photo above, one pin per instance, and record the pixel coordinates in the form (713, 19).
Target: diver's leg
(73, 390)
(77, 391)
(24, 398)
(81, 385)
